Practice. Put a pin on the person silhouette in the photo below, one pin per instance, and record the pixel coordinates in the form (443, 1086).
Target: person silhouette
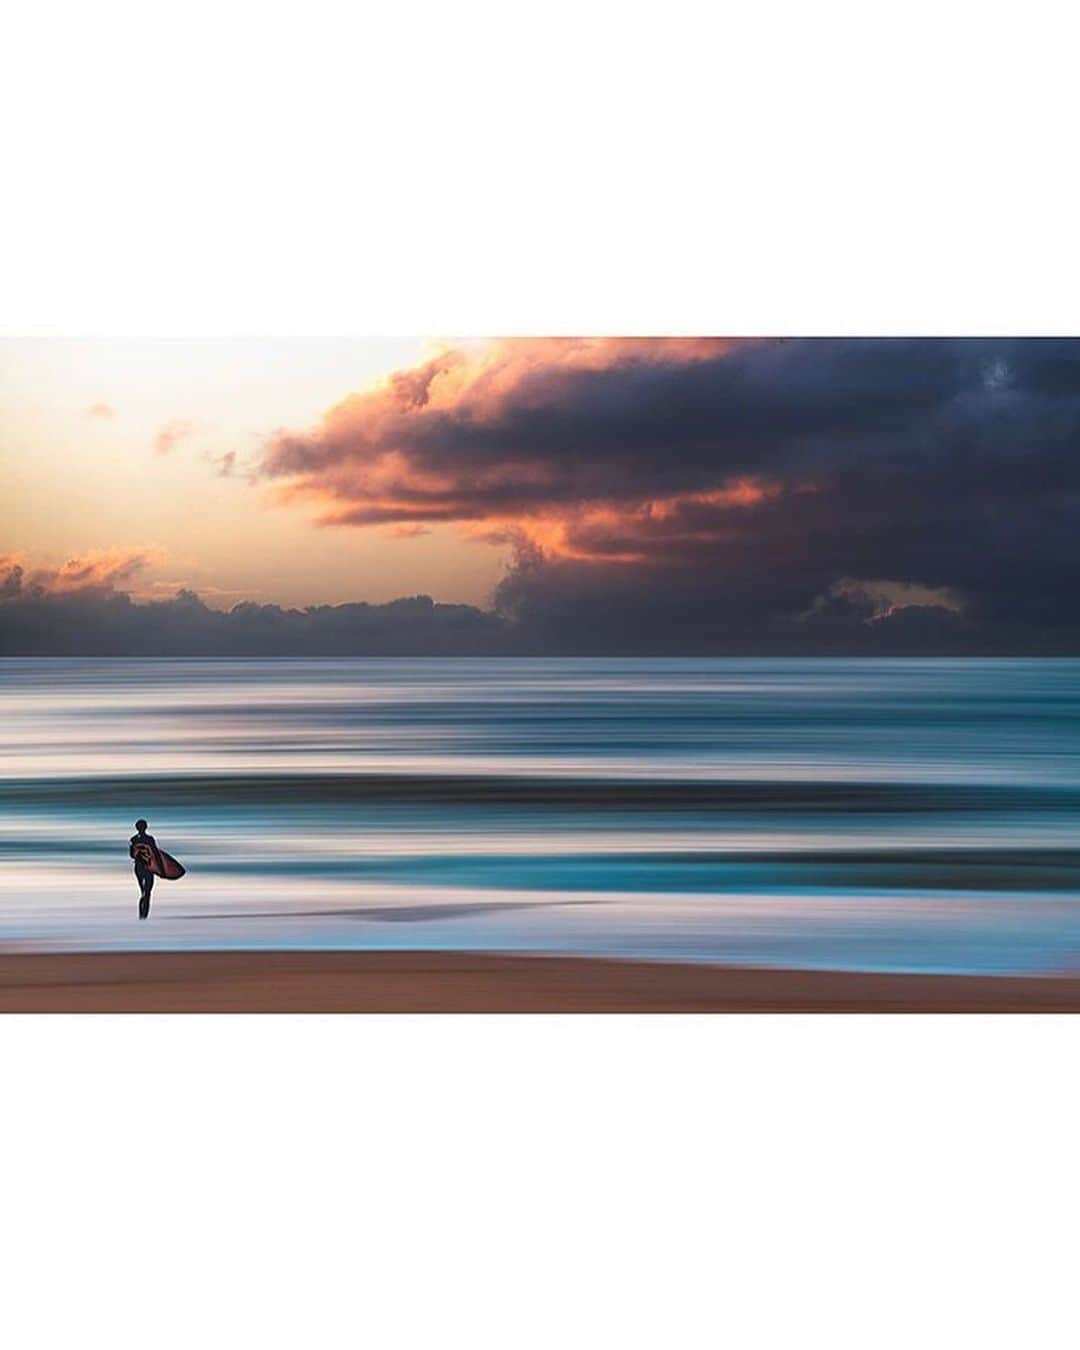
(141, 849)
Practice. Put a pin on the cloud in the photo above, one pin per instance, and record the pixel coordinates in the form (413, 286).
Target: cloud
(100, 410)
(873, 601)
(407, 530)
(542, 609)
(230, 464)
(84, 607)
(489, 435)
(107, 622)
(11, 577)
(100, 570)
(172, 434)
(168, 588)
(711, 490)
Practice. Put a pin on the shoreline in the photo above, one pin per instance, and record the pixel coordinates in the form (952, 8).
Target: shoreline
(474, 982)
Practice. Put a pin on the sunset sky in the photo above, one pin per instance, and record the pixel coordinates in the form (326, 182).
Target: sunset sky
(595, 493)
(118, 446)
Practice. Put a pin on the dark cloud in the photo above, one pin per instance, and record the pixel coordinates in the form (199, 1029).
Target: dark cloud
(530, 429)
(549, 609)
(34, 622)
(713, 498)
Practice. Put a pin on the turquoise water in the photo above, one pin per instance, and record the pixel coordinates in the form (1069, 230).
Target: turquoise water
(896, 815)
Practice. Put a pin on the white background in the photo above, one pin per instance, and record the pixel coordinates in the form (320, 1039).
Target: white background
(462, 169)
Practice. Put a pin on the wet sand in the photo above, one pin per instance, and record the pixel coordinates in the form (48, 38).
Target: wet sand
(481, 982)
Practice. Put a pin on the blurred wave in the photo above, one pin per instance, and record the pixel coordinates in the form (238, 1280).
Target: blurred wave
(909, 814)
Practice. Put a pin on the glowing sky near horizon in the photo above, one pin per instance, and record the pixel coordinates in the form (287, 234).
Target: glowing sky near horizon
(117, 444)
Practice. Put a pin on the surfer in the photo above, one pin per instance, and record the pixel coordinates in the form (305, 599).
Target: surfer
(141, 849)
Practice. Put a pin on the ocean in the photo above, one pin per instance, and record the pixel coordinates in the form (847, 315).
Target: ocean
(906, 815)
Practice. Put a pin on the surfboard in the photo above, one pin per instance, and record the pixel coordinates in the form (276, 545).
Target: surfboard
(162, 864)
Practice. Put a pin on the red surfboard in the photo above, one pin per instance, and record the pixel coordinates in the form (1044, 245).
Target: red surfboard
(159, 862)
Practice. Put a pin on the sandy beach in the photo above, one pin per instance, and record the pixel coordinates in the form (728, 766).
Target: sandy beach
(465, 982)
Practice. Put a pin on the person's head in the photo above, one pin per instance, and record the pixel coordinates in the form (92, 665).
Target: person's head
(140, 825)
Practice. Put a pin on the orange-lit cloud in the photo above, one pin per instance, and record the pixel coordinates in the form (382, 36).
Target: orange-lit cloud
(502, 440)
(632, 532)
(96, 571)
(104, 410)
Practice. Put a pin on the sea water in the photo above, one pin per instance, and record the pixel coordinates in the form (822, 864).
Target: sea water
(883, 815)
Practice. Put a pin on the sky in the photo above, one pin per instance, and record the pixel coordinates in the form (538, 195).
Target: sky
(639, 495)
(119, 445)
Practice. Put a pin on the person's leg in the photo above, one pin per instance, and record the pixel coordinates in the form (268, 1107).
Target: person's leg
(145, 879)
(149, 888)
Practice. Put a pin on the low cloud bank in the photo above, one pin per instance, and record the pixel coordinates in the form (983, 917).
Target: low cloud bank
(105, 622)
(873, 618)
